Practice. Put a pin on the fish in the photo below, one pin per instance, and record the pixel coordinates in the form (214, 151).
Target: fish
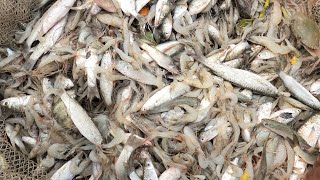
(301, 93)
(165, 94)
(167, 89)
(149, 170)
(52, 16)
(48, 42)
(242, 78)
(139, 75)
(307, 157)
(81, 119)
(196, 6)
(309, 130)
(133, 143)
(162, 59)
(128, 7)
(163, 8)
(285, 115)
(285, 131)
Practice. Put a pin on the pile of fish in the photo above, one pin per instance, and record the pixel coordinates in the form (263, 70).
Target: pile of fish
(165, 89)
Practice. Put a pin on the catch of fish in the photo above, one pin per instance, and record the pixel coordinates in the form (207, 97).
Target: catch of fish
(165, 89)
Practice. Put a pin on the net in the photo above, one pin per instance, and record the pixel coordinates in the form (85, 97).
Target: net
(13, 12)
(13, 164)
(316, 11)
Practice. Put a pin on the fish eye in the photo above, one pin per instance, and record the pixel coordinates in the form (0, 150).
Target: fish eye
(88, 54)
(286, 115)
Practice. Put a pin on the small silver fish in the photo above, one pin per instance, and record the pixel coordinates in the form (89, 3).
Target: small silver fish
(301, 93)
(310, 131)
(163, 8)
(285, 115)
(242, 78)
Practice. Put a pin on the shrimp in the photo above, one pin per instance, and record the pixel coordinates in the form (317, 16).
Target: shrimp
(200, 79)
(59, 150)
(47, 42)
(91, 65)
(111, 20)
(71, 168)
(133, 143)
(270, 44)
(106, 86)
(194, 145)
(106, 5)
(172, 173)
(53, 15)
(12, 133)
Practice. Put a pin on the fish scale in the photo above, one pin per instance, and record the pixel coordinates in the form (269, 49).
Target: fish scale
(306, 129)
(301, 93)
(242, 78)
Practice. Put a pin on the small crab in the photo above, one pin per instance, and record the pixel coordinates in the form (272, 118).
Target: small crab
(304, 28)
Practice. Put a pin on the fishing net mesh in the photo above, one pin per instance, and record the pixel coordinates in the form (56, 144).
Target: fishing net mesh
(14, 164)
(13, 12)
(316, 11)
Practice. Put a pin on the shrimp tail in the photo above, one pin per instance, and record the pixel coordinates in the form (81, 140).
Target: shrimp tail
(12, 141)
(93, 92)
(28, 65)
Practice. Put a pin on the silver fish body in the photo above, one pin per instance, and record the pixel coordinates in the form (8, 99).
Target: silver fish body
(310, 131)
(163, 8)
(301, 93)
(242, 78)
